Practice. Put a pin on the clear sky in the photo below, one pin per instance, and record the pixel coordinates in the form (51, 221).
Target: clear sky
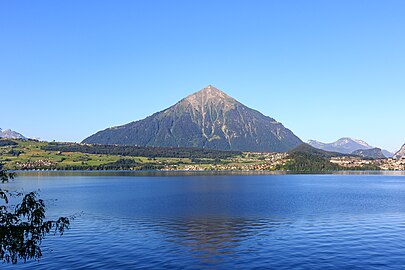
(325, 69)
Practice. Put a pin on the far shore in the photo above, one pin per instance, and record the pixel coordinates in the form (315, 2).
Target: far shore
(191, 173)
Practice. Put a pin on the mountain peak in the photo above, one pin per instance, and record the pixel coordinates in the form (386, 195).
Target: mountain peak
(210, 88)
(210, 92)
(10, 134)
(209, 96)
(350, 140)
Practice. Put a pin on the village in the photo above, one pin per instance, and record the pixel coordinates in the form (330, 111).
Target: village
(388, 164)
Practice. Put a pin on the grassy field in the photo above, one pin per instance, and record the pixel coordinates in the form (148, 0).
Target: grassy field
(29, 155)
(36, 155)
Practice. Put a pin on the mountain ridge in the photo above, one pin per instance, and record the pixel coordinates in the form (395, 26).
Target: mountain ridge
(346, 145)
(11, 134)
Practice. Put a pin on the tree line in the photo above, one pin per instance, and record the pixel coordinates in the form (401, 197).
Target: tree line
(141, 151)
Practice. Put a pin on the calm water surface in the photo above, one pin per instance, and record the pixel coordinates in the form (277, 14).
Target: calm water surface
(223, 221)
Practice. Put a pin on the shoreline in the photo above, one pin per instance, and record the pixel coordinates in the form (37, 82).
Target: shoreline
(191, 173)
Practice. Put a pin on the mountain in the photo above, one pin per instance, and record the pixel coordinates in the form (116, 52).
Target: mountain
(345, 145)
(10, 134)
(208, 119)
(400, 153)
(374, 153)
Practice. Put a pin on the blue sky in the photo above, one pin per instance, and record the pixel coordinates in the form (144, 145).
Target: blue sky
(325, 69)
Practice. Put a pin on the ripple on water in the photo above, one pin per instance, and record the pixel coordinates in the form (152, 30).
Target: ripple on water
(97, 242)
(225, 222)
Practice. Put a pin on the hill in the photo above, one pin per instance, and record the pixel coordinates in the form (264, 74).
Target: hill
(374, 153)
(306, 158)
(308, 149)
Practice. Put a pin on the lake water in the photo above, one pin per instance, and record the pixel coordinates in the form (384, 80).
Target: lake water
(222, 221)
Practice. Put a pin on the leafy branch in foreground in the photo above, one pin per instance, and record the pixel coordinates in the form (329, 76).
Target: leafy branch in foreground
(5, 175)
(24, 226)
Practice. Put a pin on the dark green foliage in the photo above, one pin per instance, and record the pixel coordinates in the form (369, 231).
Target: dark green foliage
(7, 143)
(15, 153)
(368, 167)
(24, 226)
(141, 151)
(5, 175)
(150, 167)
(306, 162)
(306, 158)
(121, 164)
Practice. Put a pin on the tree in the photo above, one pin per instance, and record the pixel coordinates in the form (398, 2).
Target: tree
(23, 226)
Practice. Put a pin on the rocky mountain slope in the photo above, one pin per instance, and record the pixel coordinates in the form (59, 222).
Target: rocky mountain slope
(208, 119)
(10, 134)
(374, 153)
(400, 153)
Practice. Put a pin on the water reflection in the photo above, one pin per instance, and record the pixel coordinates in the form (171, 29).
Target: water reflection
(144, 173)
(192, 173)
(211, 240)
(255, 222)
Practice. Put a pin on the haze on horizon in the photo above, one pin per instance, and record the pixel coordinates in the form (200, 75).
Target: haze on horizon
(326, 70)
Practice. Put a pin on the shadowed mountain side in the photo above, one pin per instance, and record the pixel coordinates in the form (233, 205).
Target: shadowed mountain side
(374, 153)
(206, 119)
(400, 153)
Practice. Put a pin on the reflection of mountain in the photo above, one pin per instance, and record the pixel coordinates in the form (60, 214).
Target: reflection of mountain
(208, 239)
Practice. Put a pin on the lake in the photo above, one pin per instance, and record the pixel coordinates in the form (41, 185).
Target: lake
(130, 221)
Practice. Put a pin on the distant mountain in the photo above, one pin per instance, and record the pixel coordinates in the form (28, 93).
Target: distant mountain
(346, 146)
(206, 119)
(374, 153)
(10, 134)
(343, 145)
(400, 153)
(387, 153)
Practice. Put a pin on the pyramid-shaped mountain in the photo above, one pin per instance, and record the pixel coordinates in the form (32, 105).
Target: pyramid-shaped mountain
(206, 119)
